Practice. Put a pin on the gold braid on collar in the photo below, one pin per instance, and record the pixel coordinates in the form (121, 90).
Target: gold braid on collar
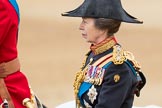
(103, 46)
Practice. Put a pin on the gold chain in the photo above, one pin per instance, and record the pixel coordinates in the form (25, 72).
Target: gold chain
(79, 78)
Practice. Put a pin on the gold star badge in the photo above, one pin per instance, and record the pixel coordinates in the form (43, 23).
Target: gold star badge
(116, 78)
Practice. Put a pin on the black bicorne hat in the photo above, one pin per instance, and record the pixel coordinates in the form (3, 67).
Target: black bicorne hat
(110, 9)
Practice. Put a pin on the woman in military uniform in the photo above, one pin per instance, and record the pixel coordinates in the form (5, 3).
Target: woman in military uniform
(109, 77)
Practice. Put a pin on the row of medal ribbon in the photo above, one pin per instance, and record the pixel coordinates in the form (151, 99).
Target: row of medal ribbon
(94, 75)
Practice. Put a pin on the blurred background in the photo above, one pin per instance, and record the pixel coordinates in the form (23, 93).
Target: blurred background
(51, 49)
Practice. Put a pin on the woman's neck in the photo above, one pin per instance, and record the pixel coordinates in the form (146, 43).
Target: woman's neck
(101, 39)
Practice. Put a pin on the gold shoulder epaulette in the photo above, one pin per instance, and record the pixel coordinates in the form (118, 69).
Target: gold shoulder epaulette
(129, 56)
(118, 55)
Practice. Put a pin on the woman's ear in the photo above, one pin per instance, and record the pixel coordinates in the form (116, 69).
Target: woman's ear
(104, 32)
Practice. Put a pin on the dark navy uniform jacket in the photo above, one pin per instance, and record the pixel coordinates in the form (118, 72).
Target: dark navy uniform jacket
(111, 93)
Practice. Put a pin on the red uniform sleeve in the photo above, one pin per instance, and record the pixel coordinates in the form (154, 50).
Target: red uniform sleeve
(8, 31)
(4, 22)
